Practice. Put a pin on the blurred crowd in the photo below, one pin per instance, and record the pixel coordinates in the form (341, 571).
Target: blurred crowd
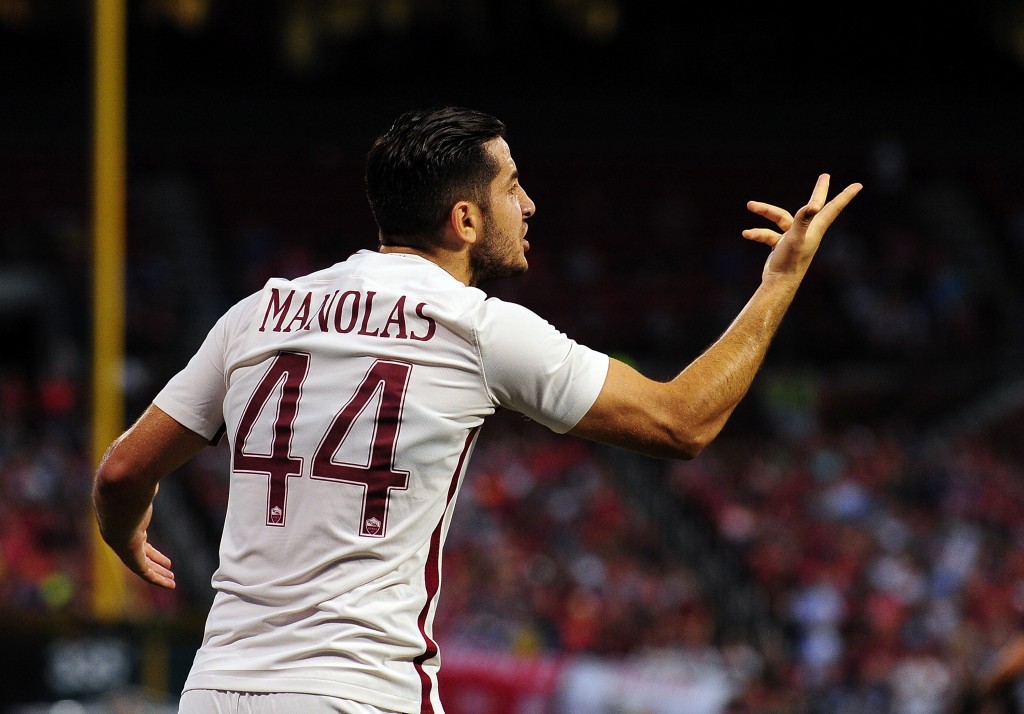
(885, 534)
(894, 561)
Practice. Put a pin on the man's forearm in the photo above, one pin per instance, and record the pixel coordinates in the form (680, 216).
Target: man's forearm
(712, 386)
(126, 480)
(121, 500)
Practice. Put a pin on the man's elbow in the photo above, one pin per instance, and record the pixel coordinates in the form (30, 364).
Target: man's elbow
(687, 441)
(116, 469)
(685, 449)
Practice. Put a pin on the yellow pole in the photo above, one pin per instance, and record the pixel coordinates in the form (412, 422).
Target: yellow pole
(109, 595)
(113, 589)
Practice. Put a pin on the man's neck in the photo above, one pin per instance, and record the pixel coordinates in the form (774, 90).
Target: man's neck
(454, 263)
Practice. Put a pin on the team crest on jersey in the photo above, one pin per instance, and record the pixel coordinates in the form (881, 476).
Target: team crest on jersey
(372, 526)
(276, 514)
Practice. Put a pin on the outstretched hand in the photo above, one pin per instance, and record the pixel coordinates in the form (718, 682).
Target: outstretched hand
(795, 246)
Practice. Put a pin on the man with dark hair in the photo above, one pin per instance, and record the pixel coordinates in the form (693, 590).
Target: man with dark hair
(414, 170)
(352, 399)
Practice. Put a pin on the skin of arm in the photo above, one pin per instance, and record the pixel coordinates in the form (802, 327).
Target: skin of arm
(679, 418)
(126, 483)
(1008, 666)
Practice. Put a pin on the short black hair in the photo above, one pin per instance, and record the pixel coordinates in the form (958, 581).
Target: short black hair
(423, 165)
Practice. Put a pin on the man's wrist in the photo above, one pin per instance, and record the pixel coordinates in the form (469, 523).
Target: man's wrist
(788, 282)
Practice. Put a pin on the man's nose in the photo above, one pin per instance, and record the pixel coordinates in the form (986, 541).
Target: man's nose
(529, 207)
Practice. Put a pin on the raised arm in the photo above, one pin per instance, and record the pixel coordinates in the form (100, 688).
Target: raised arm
(679, 418)
(126, 483)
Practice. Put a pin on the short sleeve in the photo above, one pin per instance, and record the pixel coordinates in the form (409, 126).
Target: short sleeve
(532, 368)
(194, 397)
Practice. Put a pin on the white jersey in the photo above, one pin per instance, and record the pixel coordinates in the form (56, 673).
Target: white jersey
(352, 399)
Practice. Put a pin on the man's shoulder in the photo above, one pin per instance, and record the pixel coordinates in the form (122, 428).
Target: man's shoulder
(498, 306)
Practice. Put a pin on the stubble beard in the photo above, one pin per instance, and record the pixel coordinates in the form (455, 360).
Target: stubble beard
(495, 256)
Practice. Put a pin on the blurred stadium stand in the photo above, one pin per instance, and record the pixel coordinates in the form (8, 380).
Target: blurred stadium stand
(853, 541)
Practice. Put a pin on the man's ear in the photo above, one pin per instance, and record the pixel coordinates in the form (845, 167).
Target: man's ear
(465, 222)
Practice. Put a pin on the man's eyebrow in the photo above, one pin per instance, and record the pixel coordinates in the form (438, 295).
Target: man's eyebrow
(514, 177)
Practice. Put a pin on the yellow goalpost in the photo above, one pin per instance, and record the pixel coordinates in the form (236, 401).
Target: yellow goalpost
(109, 593)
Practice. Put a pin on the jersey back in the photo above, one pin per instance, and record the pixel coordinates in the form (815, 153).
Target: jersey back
(351, 400)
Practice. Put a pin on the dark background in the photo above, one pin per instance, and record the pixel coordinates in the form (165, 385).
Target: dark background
(640, 128)
(593, 76)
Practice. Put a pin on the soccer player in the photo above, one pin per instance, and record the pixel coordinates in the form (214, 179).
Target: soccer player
(352, 399)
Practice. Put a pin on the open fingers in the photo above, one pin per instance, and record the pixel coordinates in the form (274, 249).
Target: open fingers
(834, 207)
(158, 570)
(779, 216)
(157, 557)
(815, 206)
(763, 235)
(827, 211)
